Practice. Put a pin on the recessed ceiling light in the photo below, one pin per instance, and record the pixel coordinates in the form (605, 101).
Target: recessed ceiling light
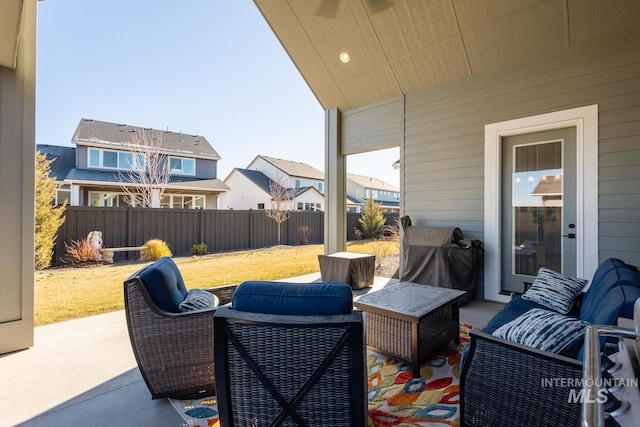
(344, 57)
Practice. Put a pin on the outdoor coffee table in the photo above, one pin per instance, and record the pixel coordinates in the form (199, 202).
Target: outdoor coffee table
(348, 267)
(410, 321)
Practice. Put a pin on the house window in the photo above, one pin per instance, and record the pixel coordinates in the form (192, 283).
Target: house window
(62, 196)
(181, 166)
(122, 160)
(298, 183)
(359, 193)
(320, 187)
(260, 205)
(176, 201)
(94, 158)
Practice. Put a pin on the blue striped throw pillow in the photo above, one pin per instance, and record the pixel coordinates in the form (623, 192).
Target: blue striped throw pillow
(554, 290)
(543, 329)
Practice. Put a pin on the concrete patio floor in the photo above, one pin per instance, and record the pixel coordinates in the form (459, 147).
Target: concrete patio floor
(83, 373)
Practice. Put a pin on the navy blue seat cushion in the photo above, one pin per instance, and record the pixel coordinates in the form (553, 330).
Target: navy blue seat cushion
(164, 283)
(296, 299)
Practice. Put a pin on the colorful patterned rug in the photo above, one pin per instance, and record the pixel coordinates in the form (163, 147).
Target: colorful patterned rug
(395, 397)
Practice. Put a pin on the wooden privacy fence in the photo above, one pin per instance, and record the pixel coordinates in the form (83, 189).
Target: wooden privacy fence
(221, 230)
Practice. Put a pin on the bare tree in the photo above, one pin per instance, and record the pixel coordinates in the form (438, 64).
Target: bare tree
(148, 175)
(280, 201)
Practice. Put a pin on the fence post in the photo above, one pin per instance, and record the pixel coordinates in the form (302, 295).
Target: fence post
(129, 226)
(250, 228)
(201, 225)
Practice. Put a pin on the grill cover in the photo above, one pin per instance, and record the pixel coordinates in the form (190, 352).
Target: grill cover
(440, 257)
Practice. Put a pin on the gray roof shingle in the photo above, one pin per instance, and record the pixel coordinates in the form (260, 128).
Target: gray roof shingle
(295, 169)
(64, 159)
(95, 132)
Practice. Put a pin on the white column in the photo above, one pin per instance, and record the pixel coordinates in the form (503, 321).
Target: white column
(75, 195)
(155, 198)
(335, 214)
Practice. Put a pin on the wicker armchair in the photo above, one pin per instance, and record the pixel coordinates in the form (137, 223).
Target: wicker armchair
(504, 384)
(174, 351)
(305, 370)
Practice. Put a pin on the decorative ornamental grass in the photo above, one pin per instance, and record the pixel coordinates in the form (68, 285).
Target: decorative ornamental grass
(67, 293)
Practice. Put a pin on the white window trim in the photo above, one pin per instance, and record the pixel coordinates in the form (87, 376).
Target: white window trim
(182, 159)
(585, 120)
(101, 159)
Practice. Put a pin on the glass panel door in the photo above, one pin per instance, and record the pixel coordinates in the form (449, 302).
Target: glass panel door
(538, 206)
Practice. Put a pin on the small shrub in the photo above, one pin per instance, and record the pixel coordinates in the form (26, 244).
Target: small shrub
(381, 250)
(154, 250)
(372, 221)
(48, 217)
(199, 249)
(304, 234)
(81, 251)
(392, 232)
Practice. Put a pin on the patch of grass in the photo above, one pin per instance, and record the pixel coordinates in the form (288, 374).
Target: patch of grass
(74, 292)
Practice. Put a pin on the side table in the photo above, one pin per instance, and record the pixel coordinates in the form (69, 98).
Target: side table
(346, 267)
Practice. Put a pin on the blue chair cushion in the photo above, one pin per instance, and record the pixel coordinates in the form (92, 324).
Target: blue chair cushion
(164, 284)
(296, 299)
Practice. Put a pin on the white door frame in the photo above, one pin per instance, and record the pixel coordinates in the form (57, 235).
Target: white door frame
(585, 120)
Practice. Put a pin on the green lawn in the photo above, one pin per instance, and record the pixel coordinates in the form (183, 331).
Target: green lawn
(73, 292)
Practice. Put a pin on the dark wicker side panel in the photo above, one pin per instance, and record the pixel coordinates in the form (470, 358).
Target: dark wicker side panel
(287, 355)
(174, 351)
(504, 384)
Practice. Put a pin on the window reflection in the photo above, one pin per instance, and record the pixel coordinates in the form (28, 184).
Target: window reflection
(537, 207)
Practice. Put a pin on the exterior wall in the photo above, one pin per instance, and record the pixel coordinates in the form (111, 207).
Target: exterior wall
(318, 185)
(443, 152)
(260, 165)
(373, 127)
(82, 156)
(206, 168)
(309, 196)
(243, 194)
(17, 172)
(442, 149)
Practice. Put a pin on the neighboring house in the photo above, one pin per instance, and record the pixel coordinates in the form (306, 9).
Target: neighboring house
(295, 174)
(250, 188)
(361, 188)
(104, 161)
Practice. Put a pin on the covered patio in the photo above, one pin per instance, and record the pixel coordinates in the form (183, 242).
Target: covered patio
(447, 81)
(83, 372)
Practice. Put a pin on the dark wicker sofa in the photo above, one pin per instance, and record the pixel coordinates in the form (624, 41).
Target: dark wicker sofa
(174, 350)
(508, 384)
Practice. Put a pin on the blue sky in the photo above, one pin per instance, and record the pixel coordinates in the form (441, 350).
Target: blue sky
(206, 67)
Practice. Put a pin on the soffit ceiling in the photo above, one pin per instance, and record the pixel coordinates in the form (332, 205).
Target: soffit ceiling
(402, 46)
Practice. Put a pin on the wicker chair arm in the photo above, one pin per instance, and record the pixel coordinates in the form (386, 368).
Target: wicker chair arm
(508, 384)
(224, 293)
